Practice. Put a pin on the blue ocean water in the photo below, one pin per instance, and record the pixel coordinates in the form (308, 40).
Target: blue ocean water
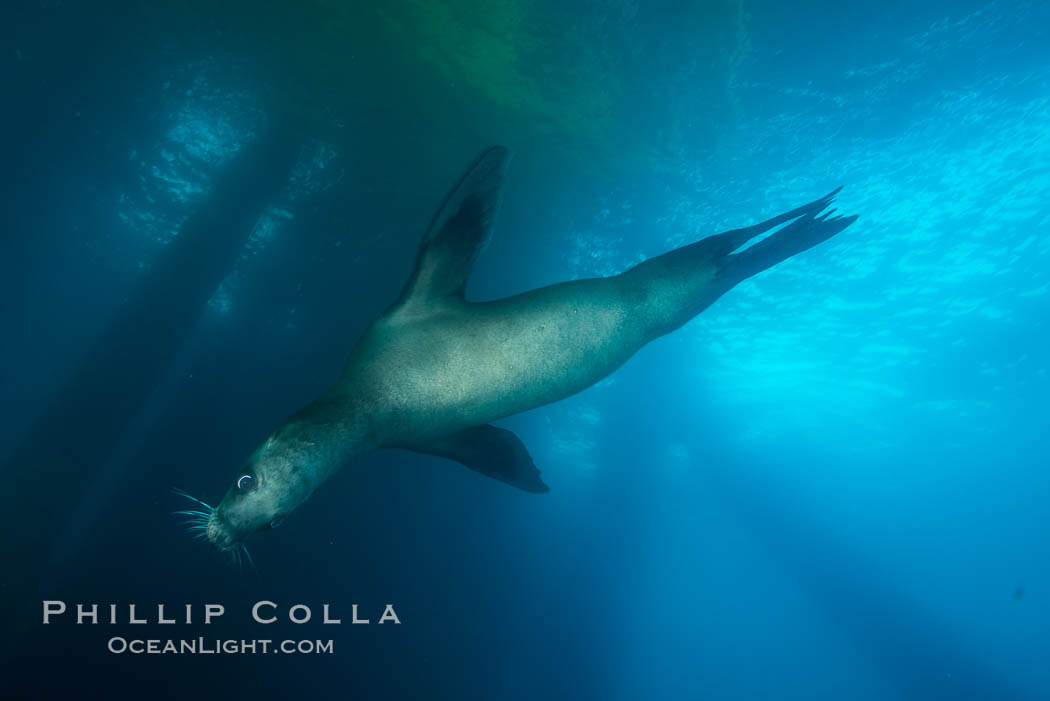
(831, 484)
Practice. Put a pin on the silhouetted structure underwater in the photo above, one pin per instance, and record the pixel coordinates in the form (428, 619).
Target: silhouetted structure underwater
(72, 438)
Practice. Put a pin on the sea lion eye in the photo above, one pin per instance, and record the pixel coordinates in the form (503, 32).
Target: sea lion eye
(245, 483)
(277, 522)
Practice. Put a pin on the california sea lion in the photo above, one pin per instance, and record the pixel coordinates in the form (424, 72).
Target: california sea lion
(433, 371)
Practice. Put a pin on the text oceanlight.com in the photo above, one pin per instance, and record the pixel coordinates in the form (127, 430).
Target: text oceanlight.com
(203, 646)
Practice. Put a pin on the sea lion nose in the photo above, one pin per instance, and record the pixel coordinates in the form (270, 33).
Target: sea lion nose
(217, 534)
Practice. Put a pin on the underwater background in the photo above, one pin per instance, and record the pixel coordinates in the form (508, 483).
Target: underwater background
(832, 484)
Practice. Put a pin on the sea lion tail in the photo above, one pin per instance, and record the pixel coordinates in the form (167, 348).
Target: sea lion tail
(676, 286)
(809, 228)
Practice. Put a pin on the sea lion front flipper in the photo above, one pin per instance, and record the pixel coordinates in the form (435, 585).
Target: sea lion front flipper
(457, 233)
(492, 451)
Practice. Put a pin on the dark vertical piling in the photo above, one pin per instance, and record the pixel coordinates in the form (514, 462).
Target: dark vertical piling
(57, 457)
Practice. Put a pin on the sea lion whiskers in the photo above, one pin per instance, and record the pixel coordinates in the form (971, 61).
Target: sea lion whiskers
(248, 555)
(197, 520)
(176, 490)
(197, 523)
(236, 555)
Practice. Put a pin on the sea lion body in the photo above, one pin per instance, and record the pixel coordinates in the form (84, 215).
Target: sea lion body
(468, 364)
(434, 370)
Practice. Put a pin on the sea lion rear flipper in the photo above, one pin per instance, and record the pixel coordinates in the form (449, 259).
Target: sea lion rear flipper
(457, 233)
(492, 451)
(800, 235)
(723, 244)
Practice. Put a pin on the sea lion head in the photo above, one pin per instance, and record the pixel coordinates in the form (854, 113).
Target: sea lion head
(280, 475)
(275, 480)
